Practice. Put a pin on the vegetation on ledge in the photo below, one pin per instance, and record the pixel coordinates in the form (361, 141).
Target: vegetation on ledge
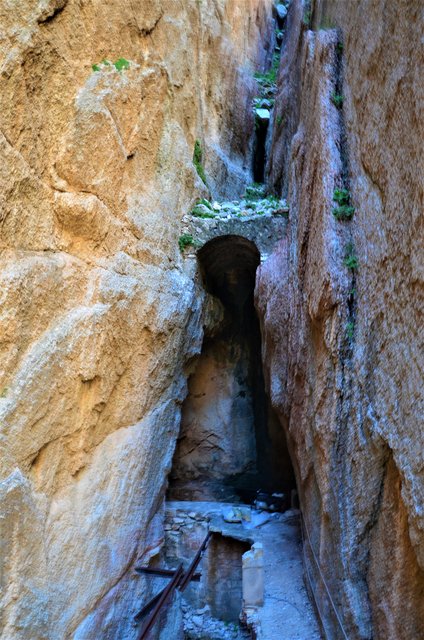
(255, 202)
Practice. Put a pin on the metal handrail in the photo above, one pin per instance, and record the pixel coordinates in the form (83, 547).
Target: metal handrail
(164, 573)
(342, 629)
(181, 579)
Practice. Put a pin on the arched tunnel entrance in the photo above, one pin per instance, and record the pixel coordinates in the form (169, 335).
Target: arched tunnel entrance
(231, 444)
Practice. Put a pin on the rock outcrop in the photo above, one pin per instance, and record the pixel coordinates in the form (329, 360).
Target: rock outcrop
(341, 305)
(99, 310)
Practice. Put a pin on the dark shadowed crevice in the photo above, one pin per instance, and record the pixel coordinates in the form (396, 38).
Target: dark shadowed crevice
(228, 265)
(259, 149)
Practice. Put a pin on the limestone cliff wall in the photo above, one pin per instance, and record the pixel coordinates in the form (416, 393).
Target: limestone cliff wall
(99, 312)
(343, 343)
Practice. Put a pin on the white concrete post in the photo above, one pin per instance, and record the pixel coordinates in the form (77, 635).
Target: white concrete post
(253, 576)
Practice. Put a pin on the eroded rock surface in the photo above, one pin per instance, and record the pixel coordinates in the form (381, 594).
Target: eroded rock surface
(343, 339)
(99, 310)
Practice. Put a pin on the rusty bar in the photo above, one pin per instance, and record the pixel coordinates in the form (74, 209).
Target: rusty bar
(162, 600)
(192, 568)
(164, 573)
(148, 607)
(180, 580)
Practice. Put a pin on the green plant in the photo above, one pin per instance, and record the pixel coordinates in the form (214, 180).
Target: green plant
(269, 78)
(198, 212)
(197, 161)
(205, 202)
(279, 120)
(121, 64)
(341, 196)
(337, 99)
(273, 200)
(3, 392)
(339, 47)
(350, 260)
(267, 86)
(184, 241)
(350, 329)
(344, 212)
(254, 192)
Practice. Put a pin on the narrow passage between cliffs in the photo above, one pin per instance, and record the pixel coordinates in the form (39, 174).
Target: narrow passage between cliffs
(232, 474)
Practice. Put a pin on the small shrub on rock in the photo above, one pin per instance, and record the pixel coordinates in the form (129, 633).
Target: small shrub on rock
(350, 260)
(337, 99)
(344, 211)
(197, 161)
(184, 241)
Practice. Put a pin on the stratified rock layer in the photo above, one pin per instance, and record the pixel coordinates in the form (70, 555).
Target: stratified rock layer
(343, 347)
(99, 311)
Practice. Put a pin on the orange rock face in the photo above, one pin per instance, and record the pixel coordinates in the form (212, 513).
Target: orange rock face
(99, 311)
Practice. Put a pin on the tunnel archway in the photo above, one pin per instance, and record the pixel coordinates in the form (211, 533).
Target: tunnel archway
(230, 442)
(228, 265)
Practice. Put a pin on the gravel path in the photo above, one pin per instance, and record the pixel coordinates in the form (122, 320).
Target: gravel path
(287, 613)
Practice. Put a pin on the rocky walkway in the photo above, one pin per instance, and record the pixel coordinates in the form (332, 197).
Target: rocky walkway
(287, 613)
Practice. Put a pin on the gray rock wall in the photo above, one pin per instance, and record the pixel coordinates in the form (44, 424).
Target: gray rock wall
(343, 347)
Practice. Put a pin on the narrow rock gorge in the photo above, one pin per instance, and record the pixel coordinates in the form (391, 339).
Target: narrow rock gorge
(211, 323)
